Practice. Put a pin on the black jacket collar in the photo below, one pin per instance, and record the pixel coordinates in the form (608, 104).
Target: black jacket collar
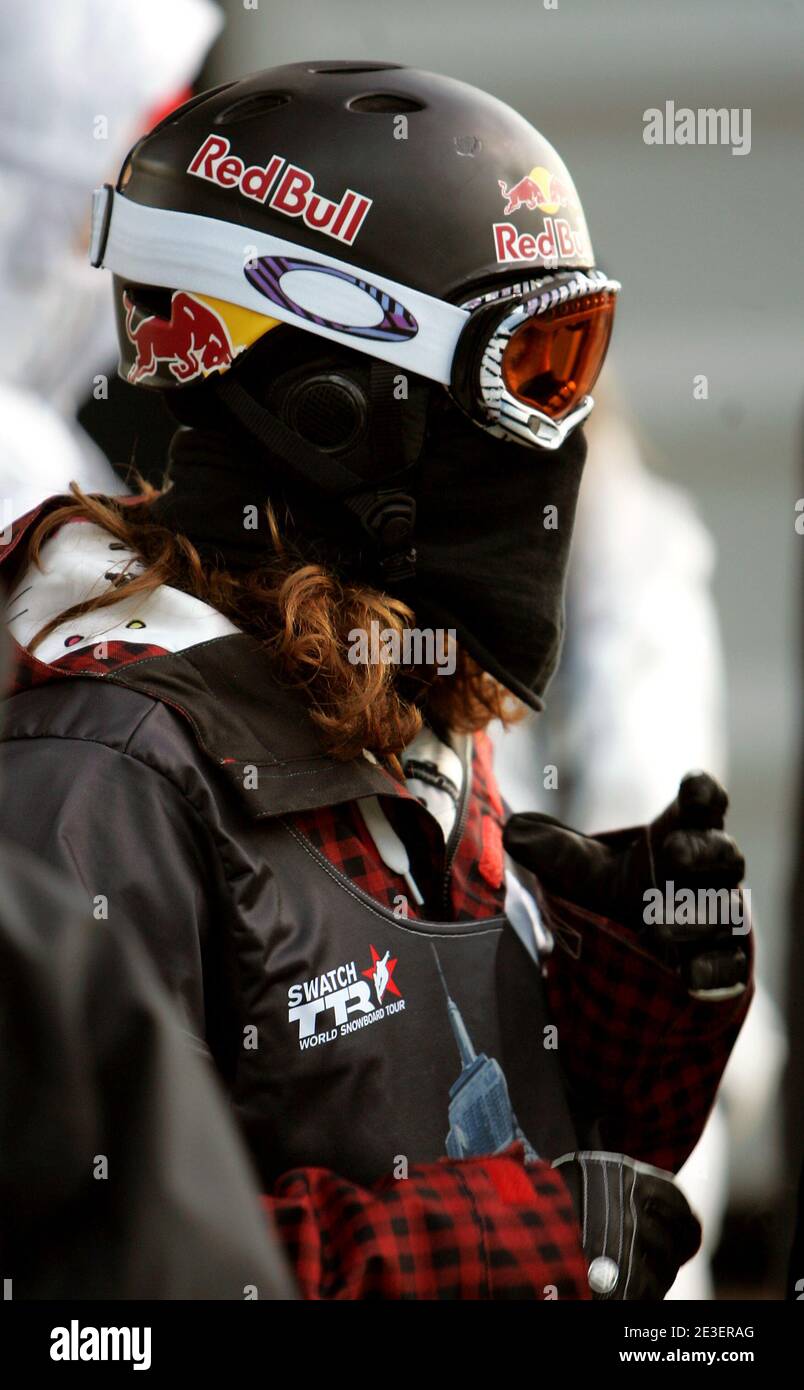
(257, 730)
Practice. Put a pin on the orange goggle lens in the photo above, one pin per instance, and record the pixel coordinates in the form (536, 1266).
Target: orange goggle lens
(553, 359)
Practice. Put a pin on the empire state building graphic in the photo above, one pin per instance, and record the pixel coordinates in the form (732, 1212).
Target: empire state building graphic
(481, 1117)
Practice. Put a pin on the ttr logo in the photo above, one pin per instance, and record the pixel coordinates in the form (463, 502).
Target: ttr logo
(339, 993)
(354, 998)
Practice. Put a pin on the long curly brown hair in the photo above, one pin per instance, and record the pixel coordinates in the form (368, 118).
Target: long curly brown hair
(304, 614)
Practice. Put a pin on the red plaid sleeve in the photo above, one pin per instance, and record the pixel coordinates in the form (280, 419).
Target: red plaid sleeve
(641, 1054)
(486, 1228)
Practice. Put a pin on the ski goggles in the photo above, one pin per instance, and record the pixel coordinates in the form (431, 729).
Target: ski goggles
(530, 354)
(520, 360)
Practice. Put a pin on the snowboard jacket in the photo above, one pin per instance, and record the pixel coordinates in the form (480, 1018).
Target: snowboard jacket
(403, 1073)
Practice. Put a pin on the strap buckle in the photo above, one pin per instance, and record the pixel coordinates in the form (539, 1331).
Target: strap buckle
(388, 518)
(102, 201)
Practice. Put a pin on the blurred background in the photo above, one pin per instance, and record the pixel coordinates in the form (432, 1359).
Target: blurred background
(705, 243)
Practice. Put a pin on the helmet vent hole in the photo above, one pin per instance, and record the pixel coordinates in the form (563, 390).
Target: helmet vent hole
(248, 107)
(335, 69)
(385, 103)
(181, 111)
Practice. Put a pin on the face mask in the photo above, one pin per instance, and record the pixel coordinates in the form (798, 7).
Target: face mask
(493, 528)
(492, 531)
(494, 523)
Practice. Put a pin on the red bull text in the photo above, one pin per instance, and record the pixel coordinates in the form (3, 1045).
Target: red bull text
(557, 242)
(293, 189)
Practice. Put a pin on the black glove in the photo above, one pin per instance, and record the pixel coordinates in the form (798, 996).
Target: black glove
(638, 1229)
(617, 874)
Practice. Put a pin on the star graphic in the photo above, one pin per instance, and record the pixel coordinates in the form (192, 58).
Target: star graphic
(390, 984)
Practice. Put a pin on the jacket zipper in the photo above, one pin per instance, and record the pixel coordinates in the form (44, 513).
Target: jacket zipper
(456, 834)
(378, 908)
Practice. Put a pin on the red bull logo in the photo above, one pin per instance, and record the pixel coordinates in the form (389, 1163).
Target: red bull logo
(538, 190)
(193, 341)
(559, 240)
(292, 189)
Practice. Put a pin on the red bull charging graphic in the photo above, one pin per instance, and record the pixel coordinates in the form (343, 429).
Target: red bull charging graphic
(538, 189)
(193, 341)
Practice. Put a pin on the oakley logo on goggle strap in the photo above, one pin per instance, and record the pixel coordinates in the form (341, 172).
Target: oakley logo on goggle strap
(396, 323)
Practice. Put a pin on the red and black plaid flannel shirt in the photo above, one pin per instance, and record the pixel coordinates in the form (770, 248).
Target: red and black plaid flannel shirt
(639, 1051)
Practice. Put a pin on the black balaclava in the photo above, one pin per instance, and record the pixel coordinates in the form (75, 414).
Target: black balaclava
(493, 522)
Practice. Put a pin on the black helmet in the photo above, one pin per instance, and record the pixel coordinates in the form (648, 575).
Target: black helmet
(348, 266)
(391, 211)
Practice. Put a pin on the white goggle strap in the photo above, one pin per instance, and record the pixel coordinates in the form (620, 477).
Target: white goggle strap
(338, 301)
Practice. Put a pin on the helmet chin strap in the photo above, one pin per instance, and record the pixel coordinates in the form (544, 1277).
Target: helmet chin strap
(386, 514)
